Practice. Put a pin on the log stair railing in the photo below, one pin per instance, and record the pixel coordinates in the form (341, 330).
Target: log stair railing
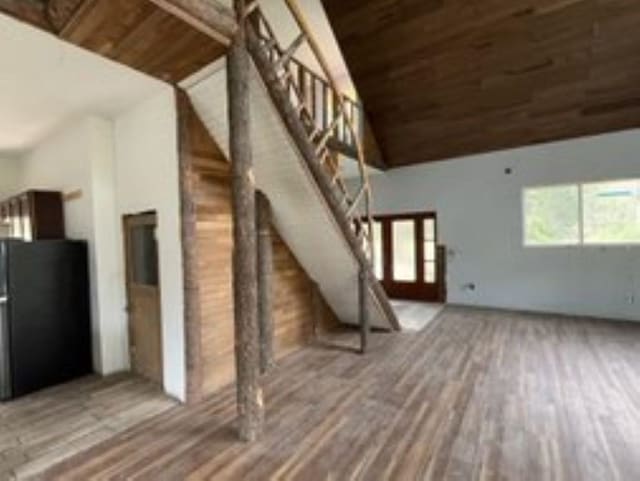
(325, 114)
(325, 124)
(320, 100)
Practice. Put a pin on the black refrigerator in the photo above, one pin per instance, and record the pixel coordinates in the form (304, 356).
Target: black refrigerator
(45, 321)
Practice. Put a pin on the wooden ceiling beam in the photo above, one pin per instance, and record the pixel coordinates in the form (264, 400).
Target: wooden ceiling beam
(208, 16)
(29, 11)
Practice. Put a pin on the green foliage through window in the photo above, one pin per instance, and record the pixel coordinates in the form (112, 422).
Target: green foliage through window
(593, 213)
(611, 212)
(551, 215)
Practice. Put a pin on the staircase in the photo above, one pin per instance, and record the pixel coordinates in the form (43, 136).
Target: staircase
(301, 126)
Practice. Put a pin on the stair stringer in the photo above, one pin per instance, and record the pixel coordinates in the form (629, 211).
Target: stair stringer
(301, 213)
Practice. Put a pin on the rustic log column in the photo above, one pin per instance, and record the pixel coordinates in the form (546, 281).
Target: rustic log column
(363, 304)
(245, 263)
(265, 281)
(192, 314)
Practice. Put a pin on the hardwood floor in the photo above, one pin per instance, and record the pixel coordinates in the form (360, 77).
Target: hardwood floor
(40, 430)
(415, 316)
(477, 395)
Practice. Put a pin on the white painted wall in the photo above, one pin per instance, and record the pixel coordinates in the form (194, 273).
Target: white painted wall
(480, 219)
(147, 179)
(106, 241)
(47, 82)
(9, 175)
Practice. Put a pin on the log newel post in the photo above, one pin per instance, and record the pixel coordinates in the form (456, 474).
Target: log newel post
(265, 281)
(363, 304)
(245, 284)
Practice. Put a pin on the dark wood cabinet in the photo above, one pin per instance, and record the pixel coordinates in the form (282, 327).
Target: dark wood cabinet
(34, 215)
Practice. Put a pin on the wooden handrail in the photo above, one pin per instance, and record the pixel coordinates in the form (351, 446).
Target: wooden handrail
(338, 111)
(324, 65)
(340, 142)
(317, 51)
(290, 103)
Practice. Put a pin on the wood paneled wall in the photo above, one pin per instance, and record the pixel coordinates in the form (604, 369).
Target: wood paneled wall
(293, 290)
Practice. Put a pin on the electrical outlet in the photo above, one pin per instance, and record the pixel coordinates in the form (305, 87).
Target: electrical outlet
(470, 287)
(631, 299)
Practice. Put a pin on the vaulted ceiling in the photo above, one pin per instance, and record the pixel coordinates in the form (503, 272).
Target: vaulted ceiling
(446, 78)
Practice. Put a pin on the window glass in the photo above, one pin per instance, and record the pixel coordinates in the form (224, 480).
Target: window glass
(404, 251)
(611, 212)
(430, 229)
(378, 261)
(144, 255)
(430, 272)
(430, 251)
(552, 215)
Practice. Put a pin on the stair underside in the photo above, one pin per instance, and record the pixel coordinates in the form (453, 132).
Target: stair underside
(301, 213)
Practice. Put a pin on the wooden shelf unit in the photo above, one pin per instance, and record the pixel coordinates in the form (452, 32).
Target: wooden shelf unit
(34, 215)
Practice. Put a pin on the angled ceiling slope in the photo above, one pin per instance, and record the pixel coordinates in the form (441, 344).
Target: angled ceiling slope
(442, 79)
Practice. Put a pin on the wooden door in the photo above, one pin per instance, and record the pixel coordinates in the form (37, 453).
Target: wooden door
(143, 295)
(407, 259)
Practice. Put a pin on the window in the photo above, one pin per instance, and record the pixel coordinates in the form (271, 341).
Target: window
(611, 212)
(593, 213)
(144, 255)
(551, 215)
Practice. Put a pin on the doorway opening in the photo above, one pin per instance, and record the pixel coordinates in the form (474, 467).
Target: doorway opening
(407, 258)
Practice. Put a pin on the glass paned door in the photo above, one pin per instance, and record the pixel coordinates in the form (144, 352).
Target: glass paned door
(407, 259)
(404, 251)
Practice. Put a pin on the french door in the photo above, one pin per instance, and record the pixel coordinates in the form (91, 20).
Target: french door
(407, 259)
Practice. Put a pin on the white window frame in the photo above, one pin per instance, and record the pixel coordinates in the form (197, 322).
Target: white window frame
(581, 242)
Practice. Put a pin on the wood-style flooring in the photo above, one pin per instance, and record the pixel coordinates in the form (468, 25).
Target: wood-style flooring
(40, 430)
(415, 316)
(477, 395)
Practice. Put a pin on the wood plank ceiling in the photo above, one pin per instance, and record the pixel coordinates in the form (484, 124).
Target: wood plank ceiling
(446, 78)
(136, 33)
(30, 11)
